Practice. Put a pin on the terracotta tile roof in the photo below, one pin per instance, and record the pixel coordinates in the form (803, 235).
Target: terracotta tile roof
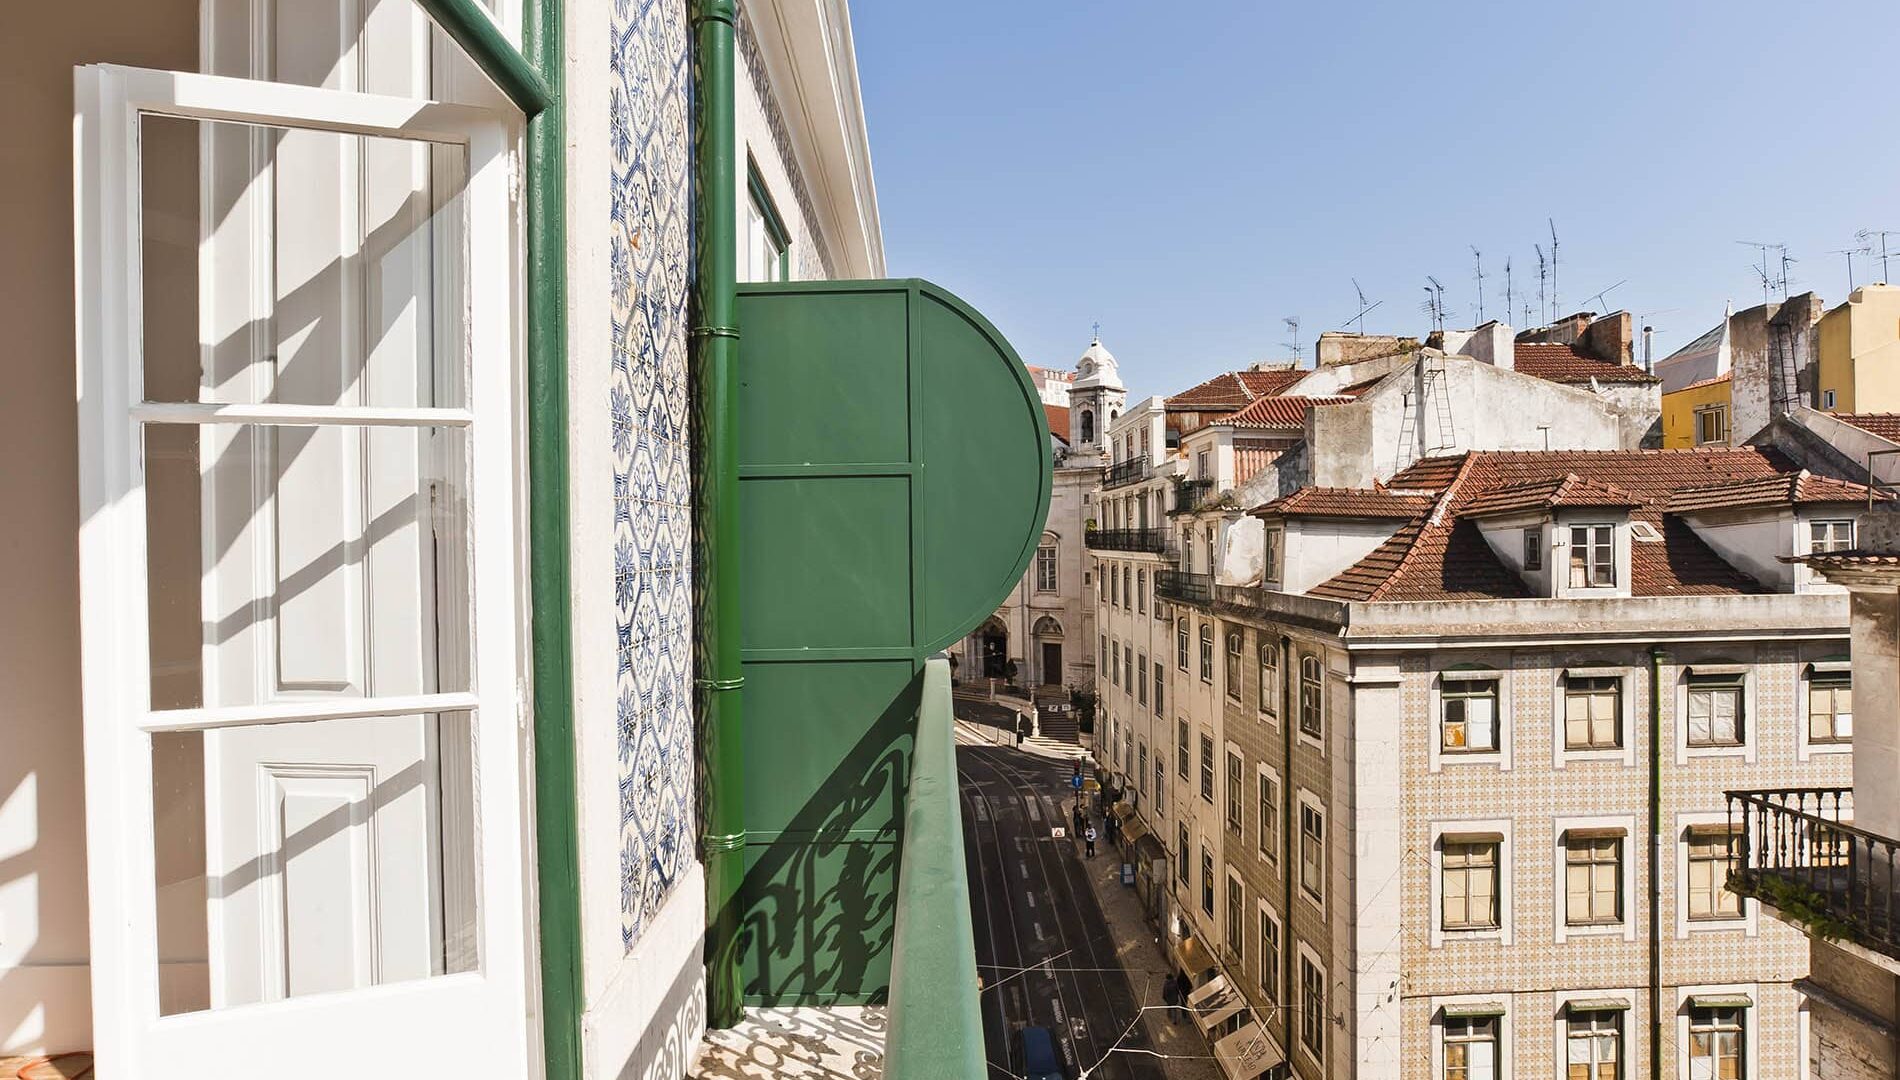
(1057, 421)
(1281, 413)
(1794, 489)
(1442, 555)
(1847, 560)
(1359, 388)
(1566, 490)
(1563, 364)
(1235, 389)
(1885, 425)
(1270, 381)
(1347, 503)
(1249, 460)
(1726, 376)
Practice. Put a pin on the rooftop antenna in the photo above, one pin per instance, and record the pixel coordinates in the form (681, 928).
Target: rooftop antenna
(1543, 268)
(1293, 327)
(1434, 304)
(1477, 258)
(1767, 276)
(1553, 268)
(1507, 286)
(1864, 249)
(1596, 300)
(1364, 308)
(1869, 234)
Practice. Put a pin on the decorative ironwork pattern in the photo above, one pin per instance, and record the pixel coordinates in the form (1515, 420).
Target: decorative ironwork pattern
(1154, 541)
(1185, 588)
(1123, 473)
(1840, 881)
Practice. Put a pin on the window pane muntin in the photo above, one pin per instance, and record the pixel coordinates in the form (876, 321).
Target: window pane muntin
(1593, 713)
(1312, 690)
(1715, 704)
(1830, 707)
(1469, 885)
(1469, 716)
(1593, 894)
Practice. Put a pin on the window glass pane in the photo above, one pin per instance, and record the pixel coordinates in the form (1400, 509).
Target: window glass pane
(298, 562)
(295, 859)
(301, 267)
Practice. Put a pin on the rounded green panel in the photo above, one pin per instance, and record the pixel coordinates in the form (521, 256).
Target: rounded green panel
(984, 445)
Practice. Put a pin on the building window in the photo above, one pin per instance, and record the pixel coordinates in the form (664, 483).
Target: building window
(1269, 841)
(1128, 592)
(1158, 670)
(1714, 852)
(1207, 653)
(1088, 426)
(1116, 654)
(1141, 765)
(1534, 548)
(1236, 922)
(1830, 707)
(1236, 820)
(1593, 879)
(1715, 1043)
(1469, 885)
(1827, 399)
(1181, 852)
(1104, 652)
(1592, 557)
(1471, 1047)
(1711, 426)
(1715, 710)
(1312, 850)
(1468, 712)
(1269, 677)
(1134, 676)
(1141, 591)
(1181, 643)
(1114, 588)
(1233, 664)
(1046, 568)
(1312, 685)
(1101, 583)
(1830, 536)
(1207, 881)
(1207, 768)
(1313, 1009)
(1181, 748)
(768, 245)
(1593, 1045)
(1213, 567)
(1161, 776)
(1203, 469)
(1128, 666)
(1269, 956)
(1270, 556)
(1593, 712)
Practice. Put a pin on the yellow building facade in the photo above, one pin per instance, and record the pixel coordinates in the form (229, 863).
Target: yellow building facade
(1859, 362)
(1698, 414)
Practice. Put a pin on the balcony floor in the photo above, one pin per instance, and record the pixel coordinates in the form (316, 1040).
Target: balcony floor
(57, 1067)
(843, 1042)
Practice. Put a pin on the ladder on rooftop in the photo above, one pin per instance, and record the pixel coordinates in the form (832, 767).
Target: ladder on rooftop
(1430, 384)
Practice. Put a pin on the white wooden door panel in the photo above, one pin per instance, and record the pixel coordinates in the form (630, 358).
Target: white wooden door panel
(344, 757)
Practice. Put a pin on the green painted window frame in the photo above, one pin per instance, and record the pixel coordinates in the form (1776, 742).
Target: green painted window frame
(774, 224)
(531, 76)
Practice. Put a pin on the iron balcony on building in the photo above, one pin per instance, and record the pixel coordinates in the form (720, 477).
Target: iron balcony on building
(1798, 856)
(1153, 541)
(1123, 473)
(1184, 588)
(1191, 495)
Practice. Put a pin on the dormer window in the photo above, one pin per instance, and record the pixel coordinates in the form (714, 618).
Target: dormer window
(1826, 536)
(1534, 548)
(1270, 556)
(1592, 556)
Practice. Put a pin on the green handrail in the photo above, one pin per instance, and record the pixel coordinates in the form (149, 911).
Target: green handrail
(936, 1026)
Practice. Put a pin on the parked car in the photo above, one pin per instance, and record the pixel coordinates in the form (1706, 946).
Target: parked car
(1040, 1060)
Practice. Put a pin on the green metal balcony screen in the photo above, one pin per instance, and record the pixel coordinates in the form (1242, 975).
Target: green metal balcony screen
(894, 477)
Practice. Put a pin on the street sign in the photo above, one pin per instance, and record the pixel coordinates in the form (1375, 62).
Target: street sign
(1076, 781)
(1058, 833)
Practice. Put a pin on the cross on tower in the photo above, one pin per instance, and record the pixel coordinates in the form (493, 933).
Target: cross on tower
(1097, 331)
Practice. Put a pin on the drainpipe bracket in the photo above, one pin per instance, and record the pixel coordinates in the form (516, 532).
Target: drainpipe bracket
(724, 841)
(725, 11)
(714, 331)
(720, 684)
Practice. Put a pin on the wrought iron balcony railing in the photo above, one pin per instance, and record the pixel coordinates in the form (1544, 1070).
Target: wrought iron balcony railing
(1154, 541)
(1191, 495)
(1123, 473)
(1184, 588)
(936, 1027)
(1834, 880)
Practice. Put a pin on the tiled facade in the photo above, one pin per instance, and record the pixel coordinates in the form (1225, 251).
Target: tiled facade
(649, 252)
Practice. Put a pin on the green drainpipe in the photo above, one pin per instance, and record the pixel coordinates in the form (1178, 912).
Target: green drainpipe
(715, 341)
(1655, 861)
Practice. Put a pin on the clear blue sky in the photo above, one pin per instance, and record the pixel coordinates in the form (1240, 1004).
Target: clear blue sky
(1190, 174)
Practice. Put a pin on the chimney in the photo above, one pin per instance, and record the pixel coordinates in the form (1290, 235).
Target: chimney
(1607, 339)
(1649, 346)
(1336, 348)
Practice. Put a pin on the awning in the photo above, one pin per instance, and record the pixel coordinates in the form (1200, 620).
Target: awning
(1123, 811)
(1721, 1001)
(1193, 957)
(1132, 829)
(1247, 1053)
(1214, 1001)
(1148, 849)
(1602, 1004)
(1473, 1009)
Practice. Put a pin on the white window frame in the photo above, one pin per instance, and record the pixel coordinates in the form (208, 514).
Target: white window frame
(1805, 744)
(1234, 781)
(113, 547)
(1749, 921)
(1628, 697)
(1276, 990)
(1591, 562)
(1625, 927)
(1306, 956)
(1268, 844)
(1048, 577)
(1267, 678)
(1717, 413)
(1439, 830)
(1560, 1028)
(1436, 758)
(1316, 741)
(1306, 800)
(1438, 1006)
(1751, 1024)
(1272, 556)
(1236, 915)
(1533, 549)
(1234, 679)
(1749, 719)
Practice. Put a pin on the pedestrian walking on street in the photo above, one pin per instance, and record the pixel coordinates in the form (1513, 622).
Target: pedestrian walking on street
(1089, 839)
(1171, 997)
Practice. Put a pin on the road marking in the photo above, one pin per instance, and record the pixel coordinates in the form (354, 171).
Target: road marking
(1031, 897)
(1035, 809)
(1039, 933)
(981, 806)
(1022, 868)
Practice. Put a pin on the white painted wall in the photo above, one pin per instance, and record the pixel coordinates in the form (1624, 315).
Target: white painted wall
(1752, 543)
(1317, 548)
